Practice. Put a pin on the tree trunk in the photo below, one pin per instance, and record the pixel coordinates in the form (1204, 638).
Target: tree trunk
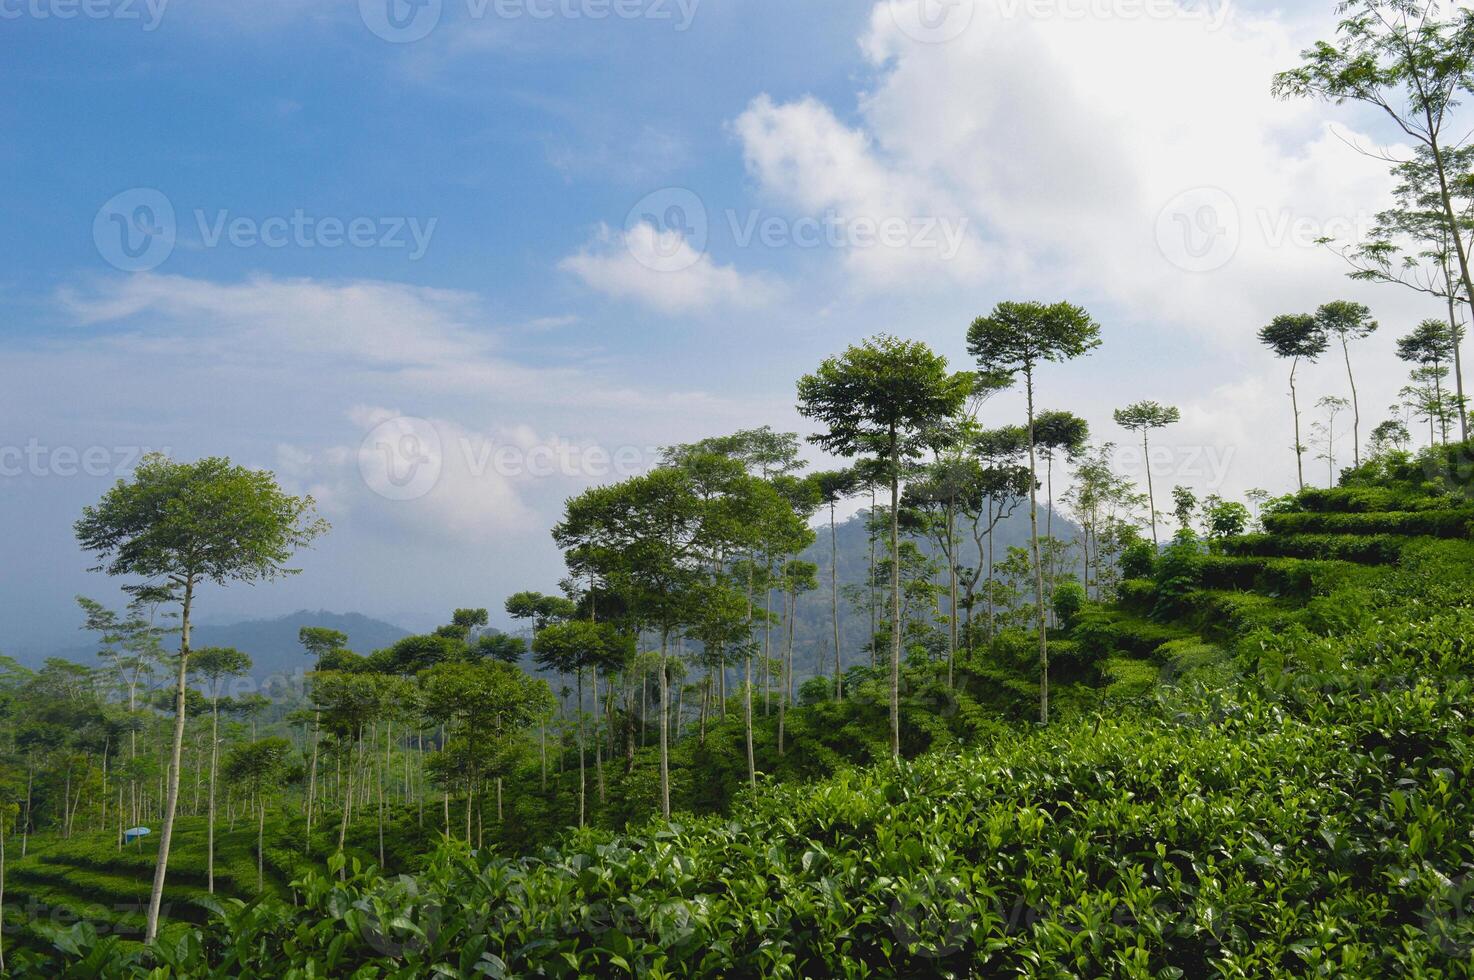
(312, 776)
(895, 464)
(1456, 335)
(834, 604)
(664, 735)
(747, 685)
(870, 582)
(210, 819)
(952, 582)
(1459, 251)
(784, 666)
(1295, 410)
(581, 780)
(1355, 412)
(1151, 500)
(171, 797)
(261, 843)
(598, 742)
(1038, 568)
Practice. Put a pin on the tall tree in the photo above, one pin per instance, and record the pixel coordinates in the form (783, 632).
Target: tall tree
(1412, 243)
(1143, 417)
(647, 537)
(180, 526)
(573, 647)
(1334, 405)
(1014, 339)
(879, 399)
(1410, 62)
(215, 664)
(1429, 345)
(258, 766)
(324, 645)
(1348, 321)
(1297, 336)
(835, 486)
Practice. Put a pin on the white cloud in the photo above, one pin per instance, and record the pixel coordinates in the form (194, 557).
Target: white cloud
(803, 156)
(1063, 138)
(662, 270)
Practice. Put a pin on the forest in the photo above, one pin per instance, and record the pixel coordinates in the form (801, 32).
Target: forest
(1014, 713)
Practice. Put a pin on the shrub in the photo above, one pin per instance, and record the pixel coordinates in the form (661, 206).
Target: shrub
(1179, 573)
(1136, 595)
(1128, 679)
(1068, 599)
(1138, 559)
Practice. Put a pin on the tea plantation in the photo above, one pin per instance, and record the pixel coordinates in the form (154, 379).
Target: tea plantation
(1269, 776)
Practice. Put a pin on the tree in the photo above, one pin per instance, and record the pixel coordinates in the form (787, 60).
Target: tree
(505, 647)
(1143, 417)
(182, 525)
(1002, 485)
(1333, 405)
(541, 609)
(646, 537)
(1411, 64)
(930, 507)
(484, 705)
(1224, 518)
(835, 486)
(1429, 345)
(1104, 505)
(257, 766)
(1388, 436)
(1014, 339)
(796, 578)
(1348, 321)
(571, 648)
(1412, 243)
(1424, 397)
(1057, 433)
(878, 399)
(215, 664)
(132, 650)
(1297, 336)
(324, 645)
(1184, 502)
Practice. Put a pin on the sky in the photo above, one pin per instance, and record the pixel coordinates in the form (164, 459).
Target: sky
(444, 263)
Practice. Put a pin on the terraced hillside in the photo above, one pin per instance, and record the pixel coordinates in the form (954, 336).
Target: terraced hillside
(87, 879)
(1271, 778)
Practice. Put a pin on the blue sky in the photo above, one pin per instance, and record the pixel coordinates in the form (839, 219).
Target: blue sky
(632, 230)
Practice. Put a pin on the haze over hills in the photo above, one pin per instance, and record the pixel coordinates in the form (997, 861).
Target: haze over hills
(273, 647)
(271, 643)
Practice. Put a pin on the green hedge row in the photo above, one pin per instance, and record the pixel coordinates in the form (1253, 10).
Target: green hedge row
(1297, 577)
(1430, 523)
(1368, 549)
(1103, 633)
(1363, 500)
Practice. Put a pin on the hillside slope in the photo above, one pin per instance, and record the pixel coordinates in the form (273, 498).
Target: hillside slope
(1274, 782)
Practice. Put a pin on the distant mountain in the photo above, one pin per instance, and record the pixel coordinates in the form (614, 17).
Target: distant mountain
(271, 643)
